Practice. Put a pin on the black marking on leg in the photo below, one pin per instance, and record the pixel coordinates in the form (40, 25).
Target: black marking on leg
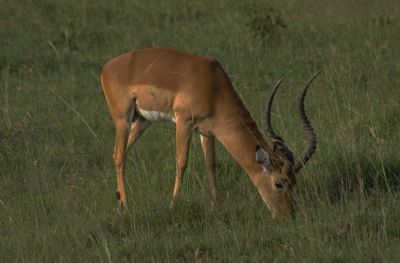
(118, 195)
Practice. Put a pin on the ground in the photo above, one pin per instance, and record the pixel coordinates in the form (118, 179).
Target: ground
(57, 178)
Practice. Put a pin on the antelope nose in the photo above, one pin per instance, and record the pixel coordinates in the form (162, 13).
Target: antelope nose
(278, 185)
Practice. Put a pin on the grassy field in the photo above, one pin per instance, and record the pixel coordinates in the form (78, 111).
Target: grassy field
(57, 178)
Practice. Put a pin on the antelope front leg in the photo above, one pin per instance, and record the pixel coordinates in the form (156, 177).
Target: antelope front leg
(184, 130)
(207, 143)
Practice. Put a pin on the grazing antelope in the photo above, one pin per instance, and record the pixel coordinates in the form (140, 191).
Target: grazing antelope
(195, 92)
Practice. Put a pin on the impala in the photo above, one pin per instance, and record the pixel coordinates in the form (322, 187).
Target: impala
(195, 92)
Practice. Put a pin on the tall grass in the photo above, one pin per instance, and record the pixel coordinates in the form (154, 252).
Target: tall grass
(57, 179)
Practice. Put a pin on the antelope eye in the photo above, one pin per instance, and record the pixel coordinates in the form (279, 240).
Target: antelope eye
(278, 185)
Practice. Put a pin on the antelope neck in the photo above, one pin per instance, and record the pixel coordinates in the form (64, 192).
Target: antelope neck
(240, 136)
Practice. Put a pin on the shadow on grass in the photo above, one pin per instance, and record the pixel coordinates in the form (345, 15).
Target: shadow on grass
(347, 176)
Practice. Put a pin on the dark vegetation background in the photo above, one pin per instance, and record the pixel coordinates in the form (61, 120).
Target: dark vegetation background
(57, 179)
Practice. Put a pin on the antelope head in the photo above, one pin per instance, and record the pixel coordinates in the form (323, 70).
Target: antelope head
(280, 167)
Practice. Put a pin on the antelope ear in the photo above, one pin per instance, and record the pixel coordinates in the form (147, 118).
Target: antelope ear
(262, 158)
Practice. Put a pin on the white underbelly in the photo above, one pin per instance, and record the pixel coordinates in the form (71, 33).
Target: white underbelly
(155, 115)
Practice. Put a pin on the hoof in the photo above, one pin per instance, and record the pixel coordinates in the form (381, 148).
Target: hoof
(172, 205)
(213, 204)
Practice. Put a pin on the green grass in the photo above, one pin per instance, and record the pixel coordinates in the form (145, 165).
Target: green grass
(57, 178)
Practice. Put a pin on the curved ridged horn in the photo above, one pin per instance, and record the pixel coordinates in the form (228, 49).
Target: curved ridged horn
(312, 137)
(277, 141)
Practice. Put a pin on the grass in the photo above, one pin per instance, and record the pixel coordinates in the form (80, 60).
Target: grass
(57, 179)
